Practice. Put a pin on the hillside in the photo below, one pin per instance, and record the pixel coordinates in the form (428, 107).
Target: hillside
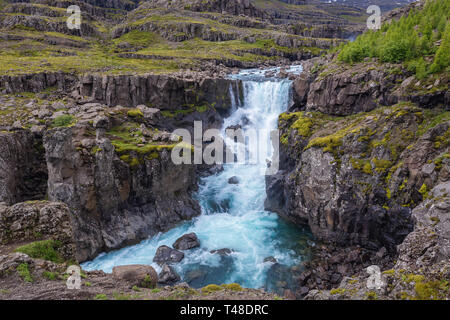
(163, 36)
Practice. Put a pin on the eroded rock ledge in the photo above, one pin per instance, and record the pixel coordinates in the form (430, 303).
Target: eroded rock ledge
(360, 151)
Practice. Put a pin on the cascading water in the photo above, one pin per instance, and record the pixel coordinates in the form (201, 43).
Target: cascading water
(233, 215)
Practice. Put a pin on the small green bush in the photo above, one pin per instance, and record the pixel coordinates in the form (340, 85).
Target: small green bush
(49, 275)
(63, 120)
(24, 272)
(46, 249)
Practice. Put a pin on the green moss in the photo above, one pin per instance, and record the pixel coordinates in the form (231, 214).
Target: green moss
(303, 125)
(101, 296)
(339, 291)
(389, 272)
(201, 109)
(424, 191)
(135, 113)
(371, 295)
(24, 272)
(211, 288)
(232, 287)
(438, 161)
(95, 150)
(46, 249)
(362, 165)
(382, 165)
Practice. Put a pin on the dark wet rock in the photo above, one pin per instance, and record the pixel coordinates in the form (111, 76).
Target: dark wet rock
(23, 170)
(222, 252)
(168, 275)
(186, 242)
(234, 127)
(201, 275)
(165, 254)
(270, 259)
(137, 275)
(234, 180)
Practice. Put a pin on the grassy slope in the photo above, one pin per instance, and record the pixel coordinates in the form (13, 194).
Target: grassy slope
(103, 53)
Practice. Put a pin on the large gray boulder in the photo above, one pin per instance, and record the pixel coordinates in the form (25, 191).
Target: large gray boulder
(165, 254)
(186, 242)
(137, 275)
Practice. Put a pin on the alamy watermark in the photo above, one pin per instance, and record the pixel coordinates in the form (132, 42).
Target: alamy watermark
(374, 20)
(375, 280)
(252, 146)
(74, 20)
(74, 280)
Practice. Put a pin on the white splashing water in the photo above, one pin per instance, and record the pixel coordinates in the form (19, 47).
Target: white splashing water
(233, 215)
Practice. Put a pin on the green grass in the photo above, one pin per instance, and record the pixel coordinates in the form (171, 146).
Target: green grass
(24, 272)
(50, 275)
(46, 249)
(64, 120)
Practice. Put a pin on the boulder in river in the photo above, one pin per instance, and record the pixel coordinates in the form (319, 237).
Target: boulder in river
(168, 275)
(233, 180)
(165, 254)
(222, 252)
(270, 259)
(137, 275)
(186, 242)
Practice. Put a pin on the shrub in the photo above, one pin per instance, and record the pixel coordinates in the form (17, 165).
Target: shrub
(46, 249)
(49, 275)
(24, 272)
(408, 39)
(63, 120)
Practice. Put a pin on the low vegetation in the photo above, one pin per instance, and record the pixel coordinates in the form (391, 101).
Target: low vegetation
(45, 249)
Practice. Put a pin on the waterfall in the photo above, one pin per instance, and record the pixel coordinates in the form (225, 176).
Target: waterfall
(233, 215)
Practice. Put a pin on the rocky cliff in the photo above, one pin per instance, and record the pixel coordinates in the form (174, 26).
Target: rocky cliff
(111, 166)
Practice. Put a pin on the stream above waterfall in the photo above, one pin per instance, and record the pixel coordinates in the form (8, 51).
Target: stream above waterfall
(233, 215)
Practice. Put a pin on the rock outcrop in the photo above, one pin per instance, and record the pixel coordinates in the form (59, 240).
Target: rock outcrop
(37, 220)
(115, 203)
(137, 275)
(422, 267)
(354, 181)
(338, 89)
(23, 171)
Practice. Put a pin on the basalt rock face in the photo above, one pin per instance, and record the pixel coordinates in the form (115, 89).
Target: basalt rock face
(115, 203)
(335, 89)
(165, 92)
(159, 91)
(354, 180)
(233, 7)
(421, 271)
(23, 172)
(37, 82)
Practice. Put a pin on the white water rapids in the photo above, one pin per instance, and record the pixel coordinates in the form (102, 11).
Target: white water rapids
(233, 215)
